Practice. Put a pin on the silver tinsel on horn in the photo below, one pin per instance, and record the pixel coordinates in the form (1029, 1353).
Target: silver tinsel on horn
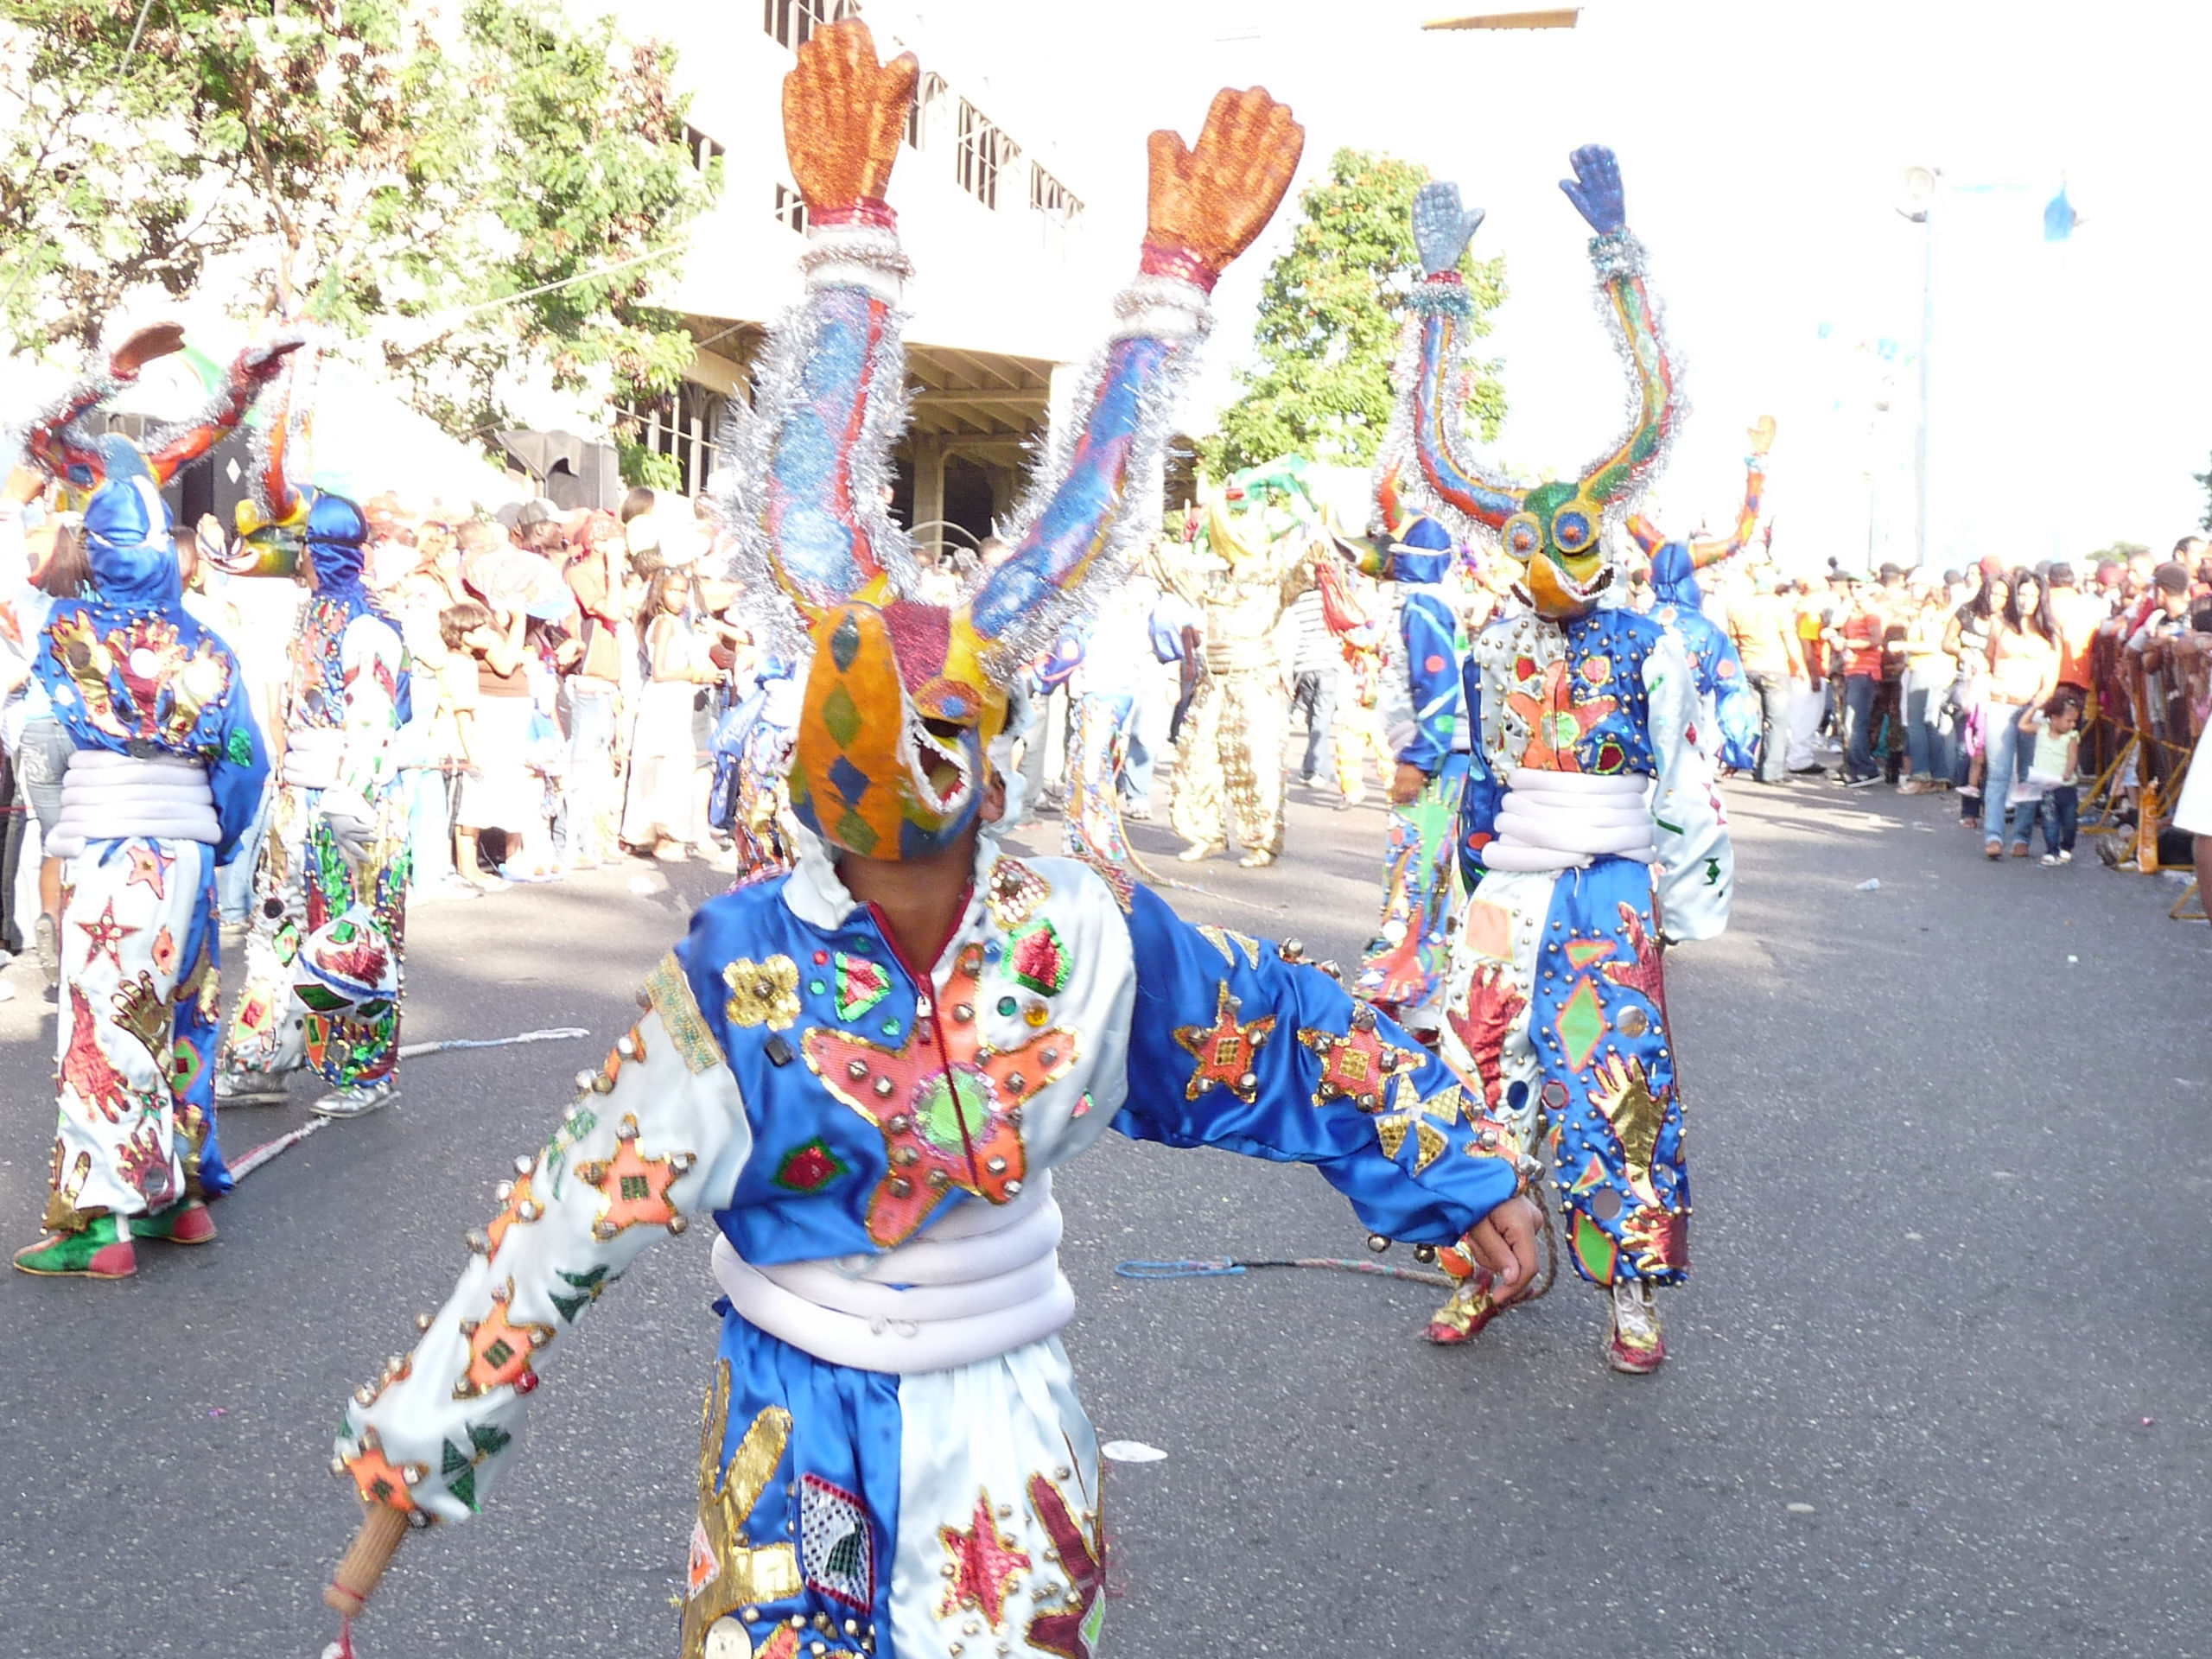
(1157, 307)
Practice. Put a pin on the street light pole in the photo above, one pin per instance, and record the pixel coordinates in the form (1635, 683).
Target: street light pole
(1916, 201)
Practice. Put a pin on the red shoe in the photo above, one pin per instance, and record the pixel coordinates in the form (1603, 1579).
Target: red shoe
(185, 1222)
(1635, 1344)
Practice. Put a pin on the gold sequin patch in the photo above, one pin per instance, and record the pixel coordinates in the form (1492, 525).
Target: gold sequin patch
(671, 994)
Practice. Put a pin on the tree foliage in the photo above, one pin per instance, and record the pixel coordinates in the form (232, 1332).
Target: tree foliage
(1327, 331)
(474, 192)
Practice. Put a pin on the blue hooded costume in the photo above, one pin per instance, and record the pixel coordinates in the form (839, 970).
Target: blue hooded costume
(323, 956)
(165, 777)
(1404, 966)
(1715, 666)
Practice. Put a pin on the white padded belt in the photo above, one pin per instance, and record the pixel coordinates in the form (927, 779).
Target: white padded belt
(982, 1282)
(105, 796)
(1561, 820)
(312, 754)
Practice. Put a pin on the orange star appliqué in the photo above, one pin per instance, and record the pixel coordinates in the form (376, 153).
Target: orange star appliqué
(500, 1350)
(1356, 1066)
(942, 1129)
(150, 865)
(521, 1204)
(381, 1480)
(1225, 1051)
(633, 1188)
(984, 1564)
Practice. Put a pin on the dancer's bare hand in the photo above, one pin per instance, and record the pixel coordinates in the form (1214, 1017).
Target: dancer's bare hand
(1406, 786)
(1504, 1241)
(1213, 198)
(1761, 435)
(845, 115)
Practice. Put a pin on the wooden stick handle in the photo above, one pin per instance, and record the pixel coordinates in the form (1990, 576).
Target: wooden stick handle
(381, 1531)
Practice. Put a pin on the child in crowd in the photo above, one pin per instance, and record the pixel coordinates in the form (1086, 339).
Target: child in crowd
(2052, 792)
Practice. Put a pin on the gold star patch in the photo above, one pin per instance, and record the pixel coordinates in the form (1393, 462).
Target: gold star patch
(1226, 1051)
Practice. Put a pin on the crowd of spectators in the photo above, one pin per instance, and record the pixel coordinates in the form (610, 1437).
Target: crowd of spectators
(2017, 688)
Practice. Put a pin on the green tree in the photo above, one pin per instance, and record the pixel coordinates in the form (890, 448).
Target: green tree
(476, 196)
(1327, 331)
(2205, 478)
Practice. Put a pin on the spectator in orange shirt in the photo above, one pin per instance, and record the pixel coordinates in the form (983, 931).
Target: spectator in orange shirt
(2077, 615)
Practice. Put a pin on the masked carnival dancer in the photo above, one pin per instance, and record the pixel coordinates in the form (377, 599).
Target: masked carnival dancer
(866, 1071)
(165, 777)
(323, 946)
(1229, 775)
(1590, 832)
(1729, 727)
(1403, 972)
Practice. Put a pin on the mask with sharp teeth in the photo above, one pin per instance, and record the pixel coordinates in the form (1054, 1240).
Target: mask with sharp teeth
(897, 715)
(1556, 536)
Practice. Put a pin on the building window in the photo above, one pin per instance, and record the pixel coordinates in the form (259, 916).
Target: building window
(703, 150)
(984, 151)
(1048, 195)
(927, 90)
(1057, 207)
(791, 208)
(685, 427)
(793, 22)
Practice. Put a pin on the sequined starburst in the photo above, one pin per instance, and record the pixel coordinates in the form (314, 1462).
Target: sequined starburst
(1357, 1063)
(1227, 1051)
(984, 1563)
(947, 1104)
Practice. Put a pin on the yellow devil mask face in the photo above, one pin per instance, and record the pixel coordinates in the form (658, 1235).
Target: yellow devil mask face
(1556, 536)
(898, 713)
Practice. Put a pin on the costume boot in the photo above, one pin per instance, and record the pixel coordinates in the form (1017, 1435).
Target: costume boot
(185, 1222)
(1635, 1346)
(1462, 1319)
(250, 1087)
(101, 1251)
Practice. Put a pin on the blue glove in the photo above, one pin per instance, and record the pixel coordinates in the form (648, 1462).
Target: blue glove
(1595, 189)
(1441, 229)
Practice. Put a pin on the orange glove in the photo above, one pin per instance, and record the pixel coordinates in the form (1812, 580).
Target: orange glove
(1207, 203)
(844, 117)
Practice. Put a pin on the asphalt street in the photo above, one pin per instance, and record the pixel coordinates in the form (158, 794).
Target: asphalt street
(1938, 1387)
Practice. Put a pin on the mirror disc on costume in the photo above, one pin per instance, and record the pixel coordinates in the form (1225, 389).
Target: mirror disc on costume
(726, 1639)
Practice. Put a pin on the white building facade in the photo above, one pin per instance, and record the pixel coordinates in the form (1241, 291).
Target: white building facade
(1007, 295)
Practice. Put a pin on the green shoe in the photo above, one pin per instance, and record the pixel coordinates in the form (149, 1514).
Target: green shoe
(103, 1250)
(185, 1222)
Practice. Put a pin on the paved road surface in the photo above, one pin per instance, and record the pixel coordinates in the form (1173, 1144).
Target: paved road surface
(1952, 1148)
